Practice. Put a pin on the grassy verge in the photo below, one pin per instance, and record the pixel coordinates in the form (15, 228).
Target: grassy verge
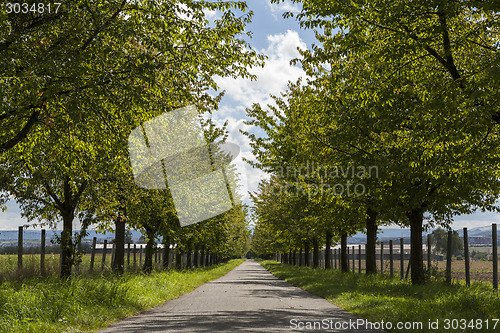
(378, 298)
(87, 302)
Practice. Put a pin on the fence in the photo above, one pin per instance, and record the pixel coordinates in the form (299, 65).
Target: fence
(99, 259)
(394, 259)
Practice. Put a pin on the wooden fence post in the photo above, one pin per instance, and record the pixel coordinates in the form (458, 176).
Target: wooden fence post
(20, 250)
(79, 251)
(448, 257)
(429, 259)
(135, 255)
(391, 258)
(92, 256)
(113, 253)
(495, 255)
(381, 257)
(347, 258)
(104, 250)
(128, 255)
(354, 259)
(339, 257)
(402, 258)
(42, 254)
(466, 255)
(359, 259)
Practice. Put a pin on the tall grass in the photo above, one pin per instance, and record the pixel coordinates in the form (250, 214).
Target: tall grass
(379, 297)
(89, 302)
(31, 266)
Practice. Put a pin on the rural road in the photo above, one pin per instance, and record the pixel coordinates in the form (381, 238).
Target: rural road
(247, 299)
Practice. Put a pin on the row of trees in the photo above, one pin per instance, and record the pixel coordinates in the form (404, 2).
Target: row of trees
(397, 123)
(73, 86)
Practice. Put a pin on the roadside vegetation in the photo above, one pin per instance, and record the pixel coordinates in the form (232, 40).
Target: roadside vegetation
(91, 302)
(376, 297)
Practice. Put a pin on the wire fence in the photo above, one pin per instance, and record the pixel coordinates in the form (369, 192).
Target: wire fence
(393, 259)
(97, 258)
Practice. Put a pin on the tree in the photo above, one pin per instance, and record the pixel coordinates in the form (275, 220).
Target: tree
(439, 240)
(56, 64)
(128, 237)
(363, 119)
(382, 65)
(99, 71)
(446, 34)
(154, 213)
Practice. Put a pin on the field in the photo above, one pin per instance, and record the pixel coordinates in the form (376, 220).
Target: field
(479, 270)
(31, 265)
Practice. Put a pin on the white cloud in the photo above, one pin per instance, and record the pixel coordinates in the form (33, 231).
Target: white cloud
(476, 220)
(212, 15)
(242, 93)
(277, 10)
(273, 78)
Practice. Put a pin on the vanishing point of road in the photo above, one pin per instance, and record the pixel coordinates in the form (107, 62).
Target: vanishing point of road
(247, 299)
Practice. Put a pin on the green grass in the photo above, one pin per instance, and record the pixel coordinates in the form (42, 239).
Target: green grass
(90, 302)
(378, 298)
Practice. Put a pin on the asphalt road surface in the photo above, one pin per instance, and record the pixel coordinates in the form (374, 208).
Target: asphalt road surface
(247, 299)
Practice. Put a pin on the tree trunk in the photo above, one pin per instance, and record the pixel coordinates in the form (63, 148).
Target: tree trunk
(166, 252)
(195, 259)
(371, 241)
(148, 258)
(328, 246)
(306, 253)
(178, 258)
(315, 252)
(416, 217)
(188, 254)
(118, 261)
(207, 253)
(343, 252)
(67, 248)
(202, 256)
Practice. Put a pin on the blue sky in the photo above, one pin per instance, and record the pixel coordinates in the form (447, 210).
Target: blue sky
(278, 39)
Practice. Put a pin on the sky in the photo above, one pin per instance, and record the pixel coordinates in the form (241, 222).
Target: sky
(278, 39)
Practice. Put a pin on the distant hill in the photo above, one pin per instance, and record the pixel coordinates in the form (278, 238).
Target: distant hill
(396, 233)
(383, 234)
(32, 237)
(479, 231)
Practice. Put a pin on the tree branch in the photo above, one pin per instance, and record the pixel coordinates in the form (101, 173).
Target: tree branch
(101, 28)
(23, 133)
(447, 47)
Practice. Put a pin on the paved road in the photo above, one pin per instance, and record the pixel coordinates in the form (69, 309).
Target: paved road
(247, 299)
